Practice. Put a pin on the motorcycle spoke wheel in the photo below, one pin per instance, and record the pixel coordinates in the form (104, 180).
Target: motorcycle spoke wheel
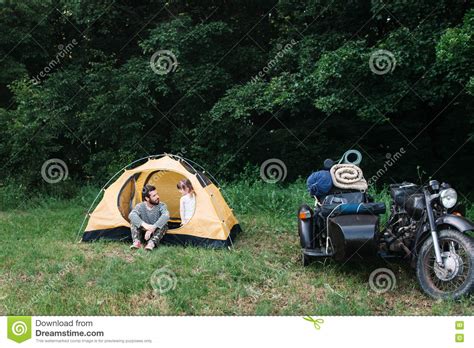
(451, 285)
(456, 277)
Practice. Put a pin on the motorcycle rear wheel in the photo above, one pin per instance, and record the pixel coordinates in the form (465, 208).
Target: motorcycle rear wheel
(457, 278)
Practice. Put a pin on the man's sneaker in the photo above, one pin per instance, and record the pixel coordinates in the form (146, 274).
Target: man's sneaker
(150, 246)
(136, 245)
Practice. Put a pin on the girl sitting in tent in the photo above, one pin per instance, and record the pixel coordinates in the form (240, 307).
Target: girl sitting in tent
(187, 202)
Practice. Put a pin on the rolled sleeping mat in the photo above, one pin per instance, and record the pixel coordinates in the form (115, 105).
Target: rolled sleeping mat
(351, 157)
(348, 176)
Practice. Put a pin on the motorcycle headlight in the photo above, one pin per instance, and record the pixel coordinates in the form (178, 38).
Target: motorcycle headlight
(448, 197)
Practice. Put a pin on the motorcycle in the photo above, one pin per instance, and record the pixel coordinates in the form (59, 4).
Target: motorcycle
(425, 227)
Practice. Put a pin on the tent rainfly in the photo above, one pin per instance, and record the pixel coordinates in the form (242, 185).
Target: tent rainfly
(213, 223)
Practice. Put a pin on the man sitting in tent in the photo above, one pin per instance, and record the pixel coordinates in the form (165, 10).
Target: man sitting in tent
(148, 219)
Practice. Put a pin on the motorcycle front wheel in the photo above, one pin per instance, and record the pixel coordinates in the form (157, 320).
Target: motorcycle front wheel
(456, 278)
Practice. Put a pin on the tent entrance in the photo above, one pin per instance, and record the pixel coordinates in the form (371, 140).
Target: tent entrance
(126, 194)
(165, 182)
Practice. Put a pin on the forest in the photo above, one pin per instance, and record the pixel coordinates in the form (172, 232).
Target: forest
(231, 84)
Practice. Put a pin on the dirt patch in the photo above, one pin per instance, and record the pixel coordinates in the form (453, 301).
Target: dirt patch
(149, 301)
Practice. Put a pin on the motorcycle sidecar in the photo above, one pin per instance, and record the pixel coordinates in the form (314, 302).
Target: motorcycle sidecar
(345, 225)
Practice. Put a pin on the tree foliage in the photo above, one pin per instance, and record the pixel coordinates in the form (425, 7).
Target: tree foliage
(253, 80)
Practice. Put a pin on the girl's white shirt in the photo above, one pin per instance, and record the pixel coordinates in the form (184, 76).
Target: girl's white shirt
(187, 204)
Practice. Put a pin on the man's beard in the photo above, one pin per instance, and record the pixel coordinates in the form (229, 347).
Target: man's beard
(155, 202)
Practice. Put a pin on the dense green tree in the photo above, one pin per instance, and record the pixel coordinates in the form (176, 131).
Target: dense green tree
(249, 81)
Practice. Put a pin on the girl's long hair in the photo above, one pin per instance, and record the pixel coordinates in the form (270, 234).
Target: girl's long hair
(186, 183)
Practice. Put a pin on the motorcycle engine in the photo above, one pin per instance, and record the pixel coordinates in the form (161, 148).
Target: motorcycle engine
(400, 234)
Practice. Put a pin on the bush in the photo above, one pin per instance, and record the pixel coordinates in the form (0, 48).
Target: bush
(12, 195)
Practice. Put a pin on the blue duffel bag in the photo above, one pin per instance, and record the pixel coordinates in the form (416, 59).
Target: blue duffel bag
(319, 183)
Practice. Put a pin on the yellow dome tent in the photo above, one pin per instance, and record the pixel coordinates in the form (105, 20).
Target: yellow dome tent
(213, 223)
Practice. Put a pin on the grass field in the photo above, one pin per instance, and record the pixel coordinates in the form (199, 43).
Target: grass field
(45, 272)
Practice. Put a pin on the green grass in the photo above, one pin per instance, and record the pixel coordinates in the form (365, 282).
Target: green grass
(45, 272)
